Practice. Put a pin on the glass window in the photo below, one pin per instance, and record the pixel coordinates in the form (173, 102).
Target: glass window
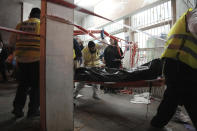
(154, 15)
(114, 27)
(122, 43)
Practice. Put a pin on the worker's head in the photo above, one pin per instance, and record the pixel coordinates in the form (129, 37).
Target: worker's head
(92, 47)
(113, 42)
(35, 13)
(79, 41)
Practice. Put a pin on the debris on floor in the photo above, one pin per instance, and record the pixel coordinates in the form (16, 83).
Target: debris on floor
(141, 98)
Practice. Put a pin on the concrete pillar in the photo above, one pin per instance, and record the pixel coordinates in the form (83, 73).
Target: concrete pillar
(56, 69)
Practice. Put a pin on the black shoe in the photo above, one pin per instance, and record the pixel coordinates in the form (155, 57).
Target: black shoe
(18, 113)
(95, 96)
(33, 113)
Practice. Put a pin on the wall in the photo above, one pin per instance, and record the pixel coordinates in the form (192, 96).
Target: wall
(10, 15)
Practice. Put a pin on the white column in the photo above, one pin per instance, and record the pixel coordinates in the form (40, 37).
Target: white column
(59, 70)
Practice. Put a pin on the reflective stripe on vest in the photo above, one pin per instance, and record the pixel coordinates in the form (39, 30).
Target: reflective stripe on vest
(186, 37)
(28, 45)
(185, 49)
(27, 49)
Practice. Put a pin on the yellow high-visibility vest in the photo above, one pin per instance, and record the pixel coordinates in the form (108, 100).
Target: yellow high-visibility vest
(28, 46)
(181, 44)
(91, 60)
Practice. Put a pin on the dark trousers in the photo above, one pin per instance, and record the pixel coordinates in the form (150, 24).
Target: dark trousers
(28, 78)
(3, 70)
(181, 81)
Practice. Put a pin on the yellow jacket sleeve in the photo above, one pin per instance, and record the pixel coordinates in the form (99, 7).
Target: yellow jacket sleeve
(74, 54)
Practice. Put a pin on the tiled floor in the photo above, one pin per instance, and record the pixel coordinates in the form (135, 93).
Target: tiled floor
(112, 113)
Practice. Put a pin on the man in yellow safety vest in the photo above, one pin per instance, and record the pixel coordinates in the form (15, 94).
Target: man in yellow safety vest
(180, 71)
(27, 52)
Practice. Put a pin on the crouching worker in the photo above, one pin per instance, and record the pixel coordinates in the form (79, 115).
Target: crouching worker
(90, 55)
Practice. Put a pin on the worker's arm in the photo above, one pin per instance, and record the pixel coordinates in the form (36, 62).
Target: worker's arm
(1, 44)
(83, 57)
(82, 64)
(192, 22)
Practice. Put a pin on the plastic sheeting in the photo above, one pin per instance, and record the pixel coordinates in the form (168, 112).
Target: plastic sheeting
(147, 71)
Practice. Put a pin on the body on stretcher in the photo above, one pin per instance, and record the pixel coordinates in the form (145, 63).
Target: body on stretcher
(120, 78)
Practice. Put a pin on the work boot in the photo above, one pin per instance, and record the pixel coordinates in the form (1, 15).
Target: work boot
(33, 113)
(159, 129)
(18, 113)
(95, 96)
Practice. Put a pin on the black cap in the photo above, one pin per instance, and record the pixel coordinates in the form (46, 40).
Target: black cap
(91, 44)
(35, 12)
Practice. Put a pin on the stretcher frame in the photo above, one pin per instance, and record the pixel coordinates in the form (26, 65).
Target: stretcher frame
(132, 84)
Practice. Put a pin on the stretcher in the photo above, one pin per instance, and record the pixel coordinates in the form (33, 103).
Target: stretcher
(128, 86)
(133, 84)
(147, 75)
